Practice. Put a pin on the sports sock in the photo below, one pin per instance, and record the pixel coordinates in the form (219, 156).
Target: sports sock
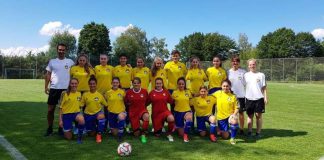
(101, 125)
(121, 125)
(212, 128)
(80, 129)
(145, 126)
(187, 127)
(170, 127)
(233, 130)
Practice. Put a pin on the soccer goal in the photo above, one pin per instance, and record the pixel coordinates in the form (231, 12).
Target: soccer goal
(18, 73)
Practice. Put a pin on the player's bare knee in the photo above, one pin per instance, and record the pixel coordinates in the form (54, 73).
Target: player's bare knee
(137, 133)
(101, 116)
(188, 116)
(225, 135)
(170, 118)
(80, 119)
(146, 117)
(258, 115)
(212, 119)
(121, 116)
(202, 133)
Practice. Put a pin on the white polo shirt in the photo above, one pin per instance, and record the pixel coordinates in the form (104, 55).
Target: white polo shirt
(60, 70)
(238, 81)
(254, 84)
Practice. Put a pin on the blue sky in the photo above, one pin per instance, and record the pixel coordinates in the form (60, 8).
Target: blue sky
(28, 24)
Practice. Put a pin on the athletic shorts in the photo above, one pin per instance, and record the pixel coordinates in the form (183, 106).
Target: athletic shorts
(113, 119)
(201, 123)
(255, 106)
(223, 125)
(135, 118)
(54, 96)
(159, 119)
(242, 102)
(91, 121)
(213, 90)
(180, 118)
(68, 120)
(170, 91)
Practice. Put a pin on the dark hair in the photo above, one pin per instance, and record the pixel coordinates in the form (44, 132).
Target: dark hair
(137, 79)
(175, 52)
(122, 55)
(116, 78)
(92, 78)
(203, 87)
(61, 44)
(137, 58)
(235, 58)
(217, 56)
(184, 80)
(227, 81)
(68, 90)
(159, 78)
(192, 58)
(153, 68)
(87, 65)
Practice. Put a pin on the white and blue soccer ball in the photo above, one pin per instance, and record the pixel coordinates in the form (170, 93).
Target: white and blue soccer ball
(124, 149)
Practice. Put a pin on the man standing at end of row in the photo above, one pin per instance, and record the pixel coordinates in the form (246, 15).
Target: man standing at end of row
(58, 77)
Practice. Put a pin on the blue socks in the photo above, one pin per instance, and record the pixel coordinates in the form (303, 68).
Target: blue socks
(121, 125)
(212, 128)
(80, 129)
(233, 130)
(187, 127)
(101, 125)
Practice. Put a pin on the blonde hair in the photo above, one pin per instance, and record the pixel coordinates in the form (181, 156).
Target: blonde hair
(193, 58)
(154, 68)
(251, 60)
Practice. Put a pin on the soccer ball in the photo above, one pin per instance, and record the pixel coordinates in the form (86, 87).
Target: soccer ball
(124, 149)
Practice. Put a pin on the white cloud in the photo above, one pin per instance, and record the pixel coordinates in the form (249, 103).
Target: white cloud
(50, 28)
(23, 51)
(118, 30)
(318, 33)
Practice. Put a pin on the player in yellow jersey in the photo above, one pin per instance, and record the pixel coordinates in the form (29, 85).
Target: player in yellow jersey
(196, 76)
(182, 110)
(70, 110)
(142, 72)
(157, 71)
(116, 108)
(203, 107)
(93, 113)
(82, 71)
(103, 74)
(227, 106)
(123, 72)
(216, 74)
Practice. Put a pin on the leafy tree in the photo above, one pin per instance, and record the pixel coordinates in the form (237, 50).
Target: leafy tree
(66, 38)
(132, 43)
(307, 46)
(191, 45)
(244, 46)
(158, 48)
(94, 40)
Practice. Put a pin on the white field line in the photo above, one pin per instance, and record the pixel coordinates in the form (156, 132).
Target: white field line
(13, 151)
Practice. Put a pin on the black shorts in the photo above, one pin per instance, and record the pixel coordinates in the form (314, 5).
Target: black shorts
(255, 106)
(54, 96)
(242, 102)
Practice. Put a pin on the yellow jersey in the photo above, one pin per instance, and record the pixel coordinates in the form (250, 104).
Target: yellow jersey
(124, 73)
(226, 104)
(182, 100)
(82, 76)
(162, 74)
(93, 102)
(197, 78)
(70, 103)
(104, 77)
(115, 99)
(215, 76)
(144, 74)
(174, 72)
(203, 106)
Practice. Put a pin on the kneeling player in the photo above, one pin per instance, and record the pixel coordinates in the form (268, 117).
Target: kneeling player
(136, 99)
(160, 97)
(70, 110)
(203, 106)
(116, 108)
(93, 113)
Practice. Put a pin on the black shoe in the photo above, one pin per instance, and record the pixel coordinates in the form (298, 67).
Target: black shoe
(258, 135)
(119, 139)
(249, 135)
(60, 131)
(241, 132)
(49, 132)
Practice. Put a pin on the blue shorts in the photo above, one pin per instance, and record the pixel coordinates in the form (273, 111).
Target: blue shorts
(68, 120)
(113, 119)
(223, 125)
(213, 90)
(179, 118)
(201, 123)
(91, 121)
(170, 91)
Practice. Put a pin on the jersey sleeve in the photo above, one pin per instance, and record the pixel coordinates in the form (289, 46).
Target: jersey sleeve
(263, 80)
(83, 100)
(103, 101)
(49, 66)
(62, 101)
(169, 100)
(204, 75)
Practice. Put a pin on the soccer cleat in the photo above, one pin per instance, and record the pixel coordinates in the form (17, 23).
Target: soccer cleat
(127, 130)
(60, 131)
(170, 138)
(163, 130)
(213, 138)
(241, 132)
(257, 135)
(119, 139)
(232, 141)
(49, 132)
(143, 139)
(79, 140)
(98, 138)
(185, 137)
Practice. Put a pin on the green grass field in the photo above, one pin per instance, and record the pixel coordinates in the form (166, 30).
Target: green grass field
(293, 129)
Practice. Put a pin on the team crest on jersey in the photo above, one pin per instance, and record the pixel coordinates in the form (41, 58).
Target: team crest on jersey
(208, 101)
(153, 95)
(119, 95)
(219, 73)
(145, 72)
(229, 99)
(179, 67)
(142, 95)
(66, 66)
(199, 73)
(258, 80)
(163, 94)
(162, 74)
(240, 78)
(127, 70)
(79, 98)
(96, 99)
(187, 95)
(108, 70)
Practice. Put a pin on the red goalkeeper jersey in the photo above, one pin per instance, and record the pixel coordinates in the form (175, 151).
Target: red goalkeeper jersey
(159, 100)
(137, 101)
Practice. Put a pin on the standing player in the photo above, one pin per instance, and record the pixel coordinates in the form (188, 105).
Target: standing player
(82, 71)
(196, 76)
(236, 76)
(58, 76)
(70, 110)
(93, 114)
(116, 108)
(182, 110)
(137, 99)
(256, 96)
(226, 106)
(159, 97)
(216, 75)
(103, 74)
(142, 72)
(203, 106)
(157, 71)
